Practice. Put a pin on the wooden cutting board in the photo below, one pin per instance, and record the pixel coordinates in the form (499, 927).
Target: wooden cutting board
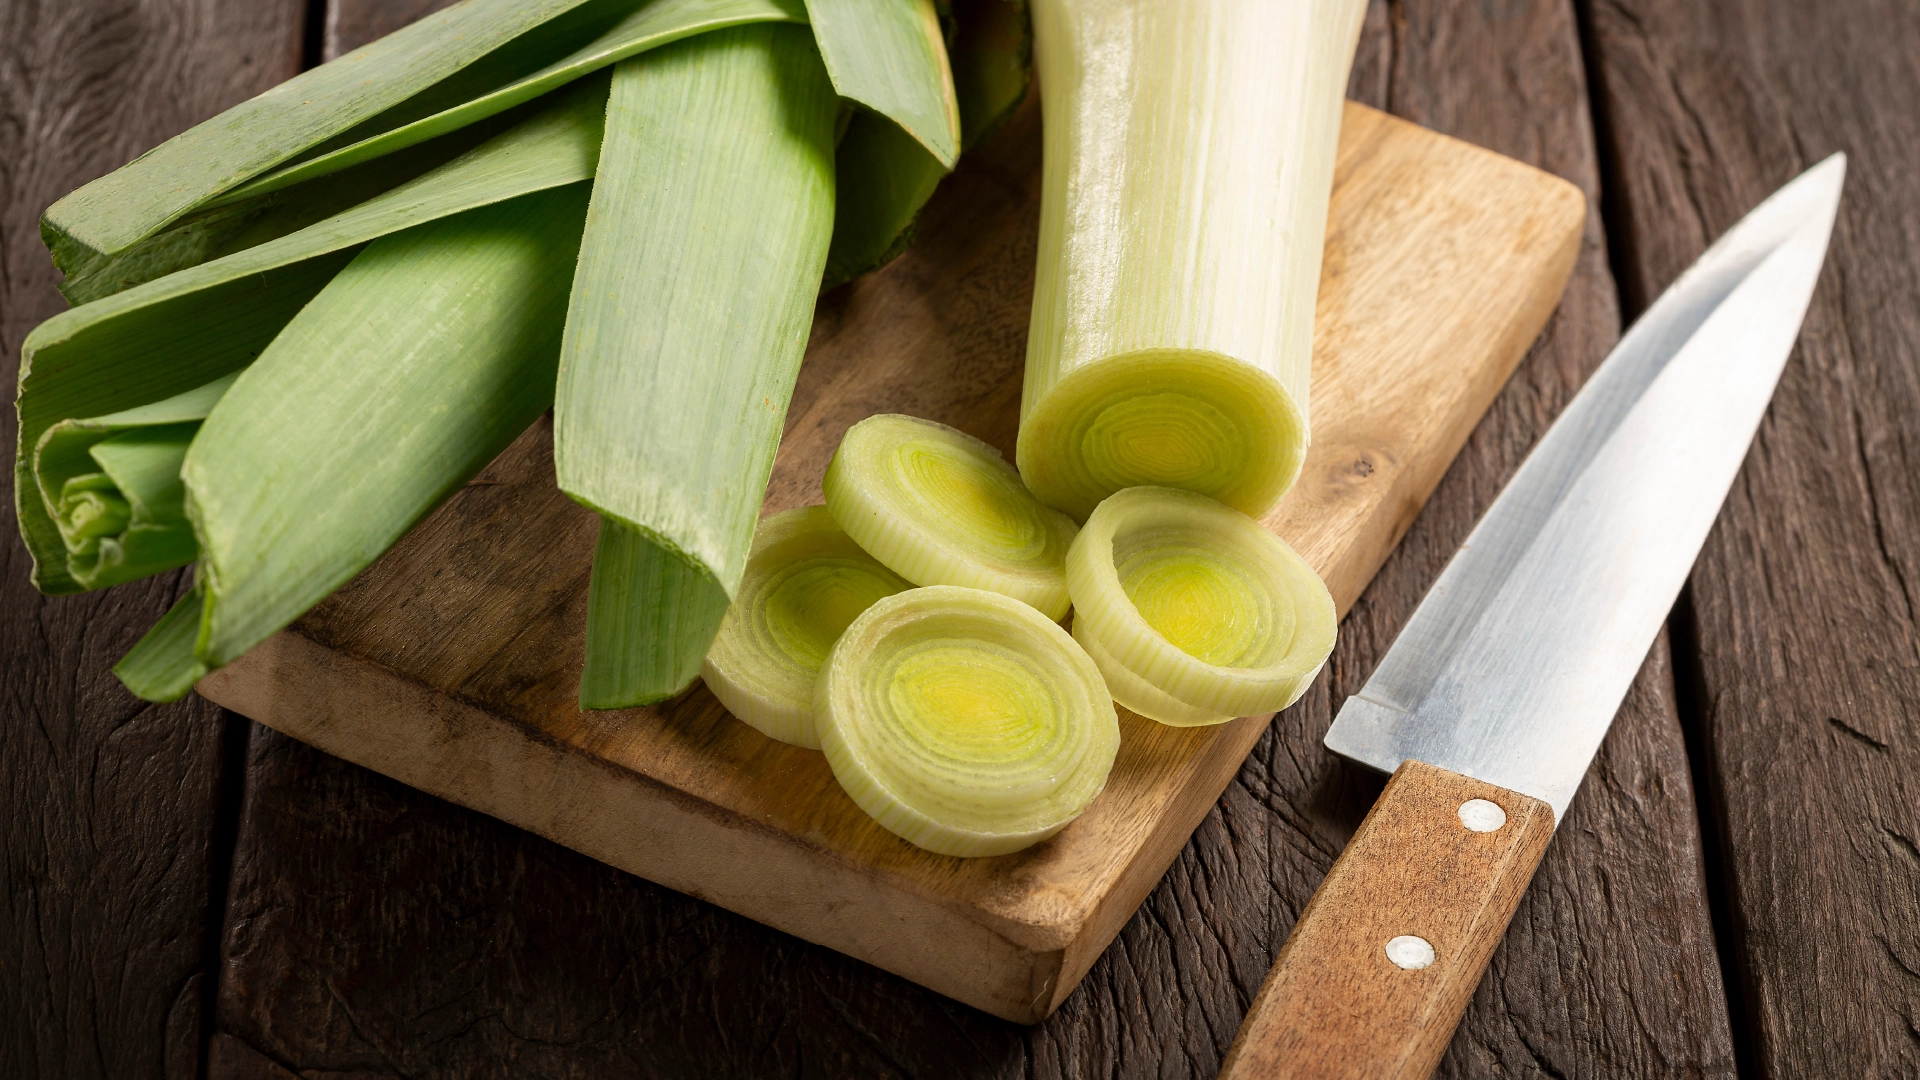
(452, 663)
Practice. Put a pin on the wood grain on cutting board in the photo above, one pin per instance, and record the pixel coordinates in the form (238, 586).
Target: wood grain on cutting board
(452, 663)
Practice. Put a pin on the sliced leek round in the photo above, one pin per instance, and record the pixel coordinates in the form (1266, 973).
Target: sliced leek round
(1178, 594)
(1138, 694)
(806, 581)
(943, 508)
(964, 721)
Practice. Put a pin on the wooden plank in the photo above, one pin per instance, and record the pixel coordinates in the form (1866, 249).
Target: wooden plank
(108, 810)
(1806, 676)
(453, 664)
(376, 928)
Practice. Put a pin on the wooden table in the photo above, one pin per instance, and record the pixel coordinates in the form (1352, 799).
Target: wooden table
(1735, 890)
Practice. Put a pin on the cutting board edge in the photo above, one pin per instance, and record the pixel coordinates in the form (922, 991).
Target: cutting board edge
(472, 758)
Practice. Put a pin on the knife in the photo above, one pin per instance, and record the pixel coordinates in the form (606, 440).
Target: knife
(1489, 706)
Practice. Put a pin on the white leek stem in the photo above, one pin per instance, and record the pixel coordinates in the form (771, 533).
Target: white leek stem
(1189, 160)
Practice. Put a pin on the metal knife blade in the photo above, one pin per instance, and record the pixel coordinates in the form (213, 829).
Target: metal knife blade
(1515, 662)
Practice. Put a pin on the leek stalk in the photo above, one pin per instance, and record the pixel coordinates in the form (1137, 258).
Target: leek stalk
(992, 59)
(965, 722)
(112, 486)
(651, 25)
(363, 231)
(806, 582)
(712, 211)
(890, 57)
(1189, 153)
(168, 336)
(1194, 612)
(940, 507)
(111, 214)
(416, 365)
(389, 148)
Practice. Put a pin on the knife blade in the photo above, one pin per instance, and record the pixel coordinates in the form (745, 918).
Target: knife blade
(1491, 703)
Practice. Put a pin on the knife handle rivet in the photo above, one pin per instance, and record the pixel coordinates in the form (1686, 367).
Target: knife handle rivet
(1409, 952)
(1482, 816)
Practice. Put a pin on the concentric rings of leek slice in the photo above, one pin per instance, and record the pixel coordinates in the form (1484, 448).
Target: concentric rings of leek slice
(1182, 418)
(964, 721)
(1139, 695)
(1198, 602)
(943, 508)
(806, 581)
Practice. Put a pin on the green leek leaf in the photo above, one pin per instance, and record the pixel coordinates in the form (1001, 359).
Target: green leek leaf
(221, 230)
(886, 174)
(890, 56)
(992, 58)
(412, 369)
(712, 211)
(171, 335)
(885, 177)
(161, 665)
(652, 25)
(115, 211)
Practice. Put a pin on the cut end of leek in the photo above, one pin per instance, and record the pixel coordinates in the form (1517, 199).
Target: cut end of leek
(1194, 612)
(940, 507)
(964, 721)
(1177, 418)
(806, 582)
(161, 666)
(1189, 162)
(651, 614)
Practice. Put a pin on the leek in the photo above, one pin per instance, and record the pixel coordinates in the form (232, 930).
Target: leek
(965, 722)
(218, 231)
(416, 365)
(363, 232)
(660, 22)
(398, 149)
(711, 216)
(885, 177)
(1193, 611)
(1189, 153)
(890, 57)
(112, 486)
(168, 336)
(992, 60)
(806, 581)
(940, 507)
(111, 214)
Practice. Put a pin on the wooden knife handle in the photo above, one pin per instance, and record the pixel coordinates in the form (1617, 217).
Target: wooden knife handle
(1432, 875)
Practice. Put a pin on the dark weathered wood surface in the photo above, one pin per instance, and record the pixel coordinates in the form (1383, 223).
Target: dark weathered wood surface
(1803, 652)
(374, 931)
(107, 805)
